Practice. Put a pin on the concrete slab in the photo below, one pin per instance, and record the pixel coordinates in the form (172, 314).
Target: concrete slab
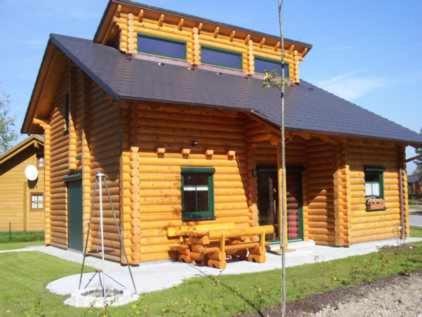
(156, 276)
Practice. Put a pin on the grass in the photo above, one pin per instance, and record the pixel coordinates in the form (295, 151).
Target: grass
(26, 274)
(416, 232)
(18, 240)
(6, 237)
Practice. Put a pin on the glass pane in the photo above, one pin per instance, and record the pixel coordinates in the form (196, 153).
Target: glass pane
(368, 189)
(157, 46)
(189, 201)
(202, 200)
(376, 189)
(262, 66)
(371, 177)
(221, 58)
(195, 179)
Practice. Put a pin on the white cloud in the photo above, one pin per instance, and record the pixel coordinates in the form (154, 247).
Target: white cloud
(352, 86)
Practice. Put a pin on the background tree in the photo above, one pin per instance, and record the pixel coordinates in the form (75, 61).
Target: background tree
(7, 124)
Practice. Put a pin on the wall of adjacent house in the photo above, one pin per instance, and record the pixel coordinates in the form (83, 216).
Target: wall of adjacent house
(375, 225)
(157, 177)
(15, 194)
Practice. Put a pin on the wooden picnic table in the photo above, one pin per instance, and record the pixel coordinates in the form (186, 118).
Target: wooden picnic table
(213, 244)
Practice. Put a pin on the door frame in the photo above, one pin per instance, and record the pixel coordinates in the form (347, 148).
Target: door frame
(293, 168)
(68, 179)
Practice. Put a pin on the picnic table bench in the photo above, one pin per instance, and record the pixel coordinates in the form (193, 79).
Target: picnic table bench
(213, 244)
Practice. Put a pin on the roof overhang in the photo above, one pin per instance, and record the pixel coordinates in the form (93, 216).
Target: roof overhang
(35, 141)
(48, 80)
(189, 20)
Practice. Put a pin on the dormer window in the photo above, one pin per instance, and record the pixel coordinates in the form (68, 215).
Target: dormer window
(263, 65)
(222, 58)
(161, 47)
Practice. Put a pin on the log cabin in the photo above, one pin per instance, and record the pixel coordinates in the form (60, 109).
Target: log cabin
(171, 108)
(21, 200)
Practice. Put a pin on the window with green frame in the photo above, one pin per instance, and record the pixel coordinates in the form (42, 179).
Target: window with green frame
(374, 182)
(197, 193)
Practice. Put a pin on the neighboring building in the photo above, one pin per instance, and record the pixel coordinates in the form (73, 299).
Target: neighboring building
(172, 109)
(415, 186)
(22, 201)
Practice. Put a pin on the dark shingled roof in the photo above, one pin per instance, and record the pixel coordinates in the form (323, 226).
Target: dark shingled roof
(307, 106)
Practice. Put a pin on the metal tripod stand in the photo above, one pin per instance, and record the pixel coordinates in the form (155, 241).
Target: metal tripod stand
(99, 273)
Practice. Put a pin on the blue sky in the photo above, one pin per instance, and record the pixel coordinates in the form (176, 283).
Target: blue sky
(365, 51)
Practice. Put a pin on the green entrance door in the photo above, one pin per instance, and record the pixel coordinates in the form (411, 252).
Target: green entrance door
(74, 207)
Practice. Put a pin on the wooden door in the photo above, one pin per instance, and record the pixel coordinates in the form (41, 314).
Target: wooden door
(268, 201)
(74, 194)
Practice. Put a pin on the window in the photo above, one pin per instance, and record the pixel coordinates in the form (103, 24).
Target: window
(263, 65)
(197, 193)
(222, 58)
(162, 47)
(374, 182)
(37, 201)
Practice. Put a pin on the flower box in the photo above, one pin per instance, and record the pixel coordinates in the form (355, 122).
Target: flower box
(374, 204)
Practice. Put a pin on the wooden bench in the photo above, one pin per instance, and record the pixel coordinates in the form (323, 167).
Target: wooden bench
(213, 244)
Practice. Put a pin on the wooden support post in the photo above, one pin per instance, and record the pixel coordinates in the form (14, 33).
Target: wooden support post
(126, 186)
(337, 187)
(251, 58)
(282, 195)
(403, 198)
(132, 40)
(196, 48)
(136, 214)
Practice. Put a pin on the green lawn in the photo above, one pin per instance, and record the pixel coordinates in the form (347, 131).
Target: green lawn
(17, 240)
(21, 236)
(24, 276)
(416, 232)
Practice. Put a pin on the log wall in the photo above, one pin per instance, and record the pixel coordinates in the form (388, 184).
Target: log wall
(375, 225)
(104, 138)
(91, 144)
(175, 129)
(319, 184)
(59, 167)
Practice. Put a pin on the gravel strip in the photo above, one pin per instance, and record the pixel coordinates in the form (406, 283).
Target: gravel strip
(401, 297)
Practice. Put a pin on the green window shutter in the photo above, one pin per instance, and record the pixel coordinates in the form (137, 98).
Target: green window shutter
(192, 206)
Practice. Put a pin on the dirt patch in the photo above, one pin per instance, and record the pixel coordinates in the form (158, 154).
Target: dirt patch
(396, 296)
